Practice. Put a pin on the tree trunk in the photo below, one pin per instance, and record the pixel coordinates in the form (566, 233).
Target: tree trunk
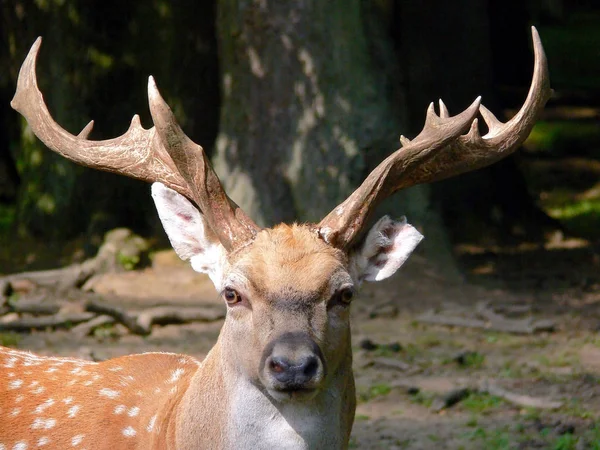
(304, 98)
(313, 98)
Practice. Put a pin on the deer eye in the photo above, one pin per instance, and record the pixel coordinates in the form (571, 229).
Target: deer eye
(343, 297)
(231, 296)
(346, 295)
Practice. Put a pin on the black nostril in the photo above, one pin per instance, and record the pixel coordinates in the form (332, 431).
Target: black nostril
(310, 366)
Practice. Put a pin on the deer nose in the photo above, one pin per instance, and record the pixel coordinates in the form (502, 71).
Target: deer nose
(294, 374)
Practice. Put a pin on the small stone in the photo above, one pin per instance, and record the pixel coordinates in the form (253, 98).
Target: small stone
(368, 344)
(564, 428)
(394, 347)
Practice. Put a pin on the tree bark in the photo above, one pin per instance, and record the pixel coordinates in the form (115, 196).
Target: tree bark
(306, 94)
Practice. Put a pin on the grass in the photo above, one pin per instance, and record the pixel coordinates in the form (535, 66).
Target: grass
(9, 339)
(477, 403)
(560, 137)
(376, 390)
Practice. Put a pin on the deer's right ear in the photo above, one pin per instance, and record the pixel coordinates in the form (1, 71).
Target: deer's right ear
(189, 233)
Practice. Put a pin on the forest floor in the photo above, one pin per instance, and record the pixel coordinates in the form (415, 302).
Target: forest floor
(408, 373)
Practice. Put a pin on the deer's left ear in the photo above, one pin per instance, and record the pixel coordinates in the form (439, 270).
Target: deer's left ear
(387, 246)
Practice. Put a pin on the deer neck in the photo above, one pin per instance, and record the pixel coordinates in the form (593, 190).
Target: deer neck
(223, 409)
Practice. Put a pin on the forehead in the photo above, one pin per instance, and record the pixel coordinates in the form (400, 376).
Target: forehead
(290, 258)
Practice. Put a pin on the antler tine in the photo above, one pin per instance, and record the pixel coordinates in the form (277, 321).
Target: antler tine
(138, 153)
(135, 153)
(343, 224)
(227, 220)
(417, 163)
(473, 151)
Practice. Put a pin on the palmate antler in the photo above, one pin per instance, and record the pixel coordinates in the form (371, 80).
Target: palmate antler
(163, 153)
(440, 151)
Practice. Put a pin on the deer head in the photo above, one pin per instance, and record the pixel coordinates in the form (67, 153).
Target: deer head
(288, 288)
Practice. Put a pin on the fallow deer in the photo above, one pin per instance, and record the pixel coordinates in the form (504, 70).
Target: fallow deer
(280, 375)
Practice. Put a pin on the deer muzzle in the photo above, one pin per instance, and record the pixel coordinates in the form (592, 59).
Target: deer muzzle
(292, 367)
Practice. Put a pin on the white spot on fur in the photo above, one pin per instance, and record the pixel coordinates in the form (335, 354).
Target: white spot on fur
(52, 369)
(129, 432)
(110, 393)
(76, 440)
(115, 369)
(133, 411)
(10, 362)
(15, 412)
(176, 375)
(43, 424)
(157, 390)
(73, 410)
(19, 398)
(15, 384)
(120, 409)
(68, 400)
(38, 390)
(43, 441)
(150, 426)
(47, 404)
(20, 446)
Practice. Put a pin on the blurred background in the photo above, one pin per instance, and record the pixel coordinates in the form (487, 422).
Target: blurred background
(296, 102)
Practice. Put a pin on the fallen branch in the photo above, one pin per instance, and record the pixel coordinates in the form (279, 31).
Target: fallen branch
(119, 314)
(392, 363)
(117, 243)
(458, 394)
(491, 321)
(40, 323)
(33, 306)
(525, 401)
(450, 399)
(86, 328)
(162, 315)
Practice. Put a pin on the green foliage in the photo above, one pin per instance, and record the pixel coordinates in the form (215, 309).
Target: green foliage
(9, 339)
(491, 439)
(374, 391)
(573, 51)
(566, 442)
(481, 403)
(473, 360)
(560, 137)
(128, 261)
(7, 218)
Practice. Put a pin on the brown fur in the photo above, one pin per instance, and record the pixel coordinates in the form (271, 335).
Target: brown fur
(287, 275)
(58, 399)
(289, 257)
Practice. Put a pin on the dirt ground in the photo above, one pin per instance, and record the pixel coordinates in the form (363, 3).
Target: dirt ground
(405, 369)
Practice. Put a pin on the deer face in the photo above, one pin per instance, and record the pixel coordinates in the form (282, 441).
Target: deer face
(288, 293)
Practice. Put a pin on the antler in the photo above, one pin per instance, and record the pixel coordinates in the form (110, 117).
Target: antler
(438, 152)
(162, 153)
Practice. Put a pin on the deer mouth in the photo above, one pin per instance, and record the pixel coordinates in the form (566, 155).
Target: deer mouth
(292, 394)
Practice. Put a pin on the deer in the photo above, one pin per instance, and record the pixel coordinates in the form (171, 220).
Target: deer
(280, 374)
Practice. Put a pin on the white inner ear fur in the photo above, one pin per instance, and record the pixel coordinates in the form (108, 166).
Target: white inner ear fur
(387, 246)
(189, 233)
